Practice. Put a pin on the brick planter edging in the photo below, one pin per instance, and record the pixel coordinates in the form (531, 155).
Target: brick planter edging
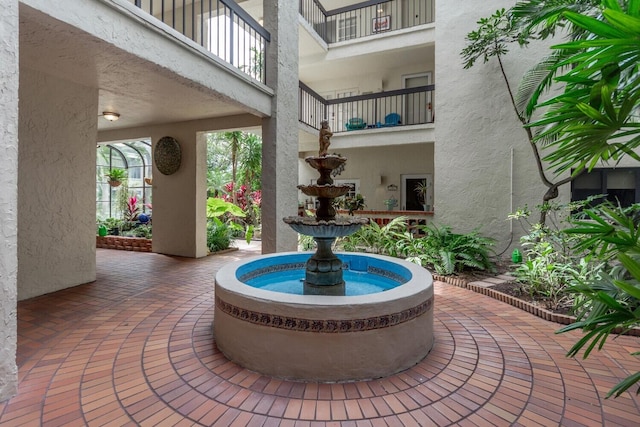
(137, 244)
(563, 319)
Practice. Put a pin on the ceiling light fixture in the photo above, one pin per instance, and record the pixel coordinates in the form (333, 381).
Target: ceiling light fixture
(111, 116)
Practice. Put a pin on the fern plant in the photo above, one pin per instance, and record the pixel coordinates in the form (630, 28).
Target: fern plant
(447, 252)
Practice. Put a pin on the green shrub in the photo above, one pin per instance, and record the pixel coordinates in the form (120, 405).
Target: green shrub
(610, 302)
(448, 253)
(439, 248)
(552, 264)
(218, 236)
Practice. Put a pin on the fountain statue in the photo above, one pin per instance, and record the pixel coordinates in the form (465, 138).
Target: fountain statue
(324, 317)
(324, 269)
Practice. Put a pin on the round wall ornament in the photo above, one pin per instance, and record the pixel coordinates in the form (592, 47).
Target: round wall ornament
(167, 155)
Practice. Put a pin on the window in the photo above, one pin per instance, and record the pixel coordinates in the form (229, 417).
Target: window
(347, 28)
(354, 185)
(135, 158)
(619, 185)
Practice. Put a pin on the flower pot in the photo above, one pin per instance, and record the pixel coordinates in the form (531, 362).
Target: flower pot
(115, 183)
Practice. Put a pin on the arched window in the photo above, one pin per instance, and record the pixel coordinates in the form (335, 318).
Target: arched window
(135, 158)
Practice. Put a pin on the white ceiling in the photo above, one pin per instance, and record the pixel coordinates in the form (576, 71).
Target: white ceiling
(142, 92)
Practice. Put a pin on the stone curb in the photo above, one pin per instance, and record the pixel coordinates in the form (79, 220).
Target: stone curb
(485, 289)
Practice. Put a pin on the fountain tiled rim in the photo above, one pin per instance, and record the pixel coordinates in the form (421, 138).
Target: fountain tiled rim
(324, 326)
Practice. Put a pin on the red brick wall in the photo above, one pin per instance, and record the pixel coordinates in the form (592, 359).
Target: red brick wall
(137, 244)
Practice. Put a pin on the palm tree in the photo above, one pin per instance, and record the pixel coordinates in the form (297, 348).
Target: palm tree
(234, 140)
(250, 161)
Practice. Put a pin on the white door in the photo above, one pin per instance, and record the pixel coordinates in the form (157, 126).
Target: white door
(418, 106)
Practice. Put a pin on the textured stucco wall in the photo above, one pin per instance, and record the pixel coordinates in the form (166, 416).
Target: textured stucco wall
(280, 132)
(476, 128)
(179, 200)
(56, 197)
(376, 168)
(8, 196)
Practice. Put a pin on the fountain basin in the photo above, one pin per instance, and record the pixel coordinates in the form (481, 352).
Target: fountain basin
(324, 338)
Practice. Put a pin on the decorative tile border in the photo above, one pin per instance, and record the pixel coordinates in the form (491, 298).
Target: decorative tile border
(387, 274)
(271, 269)
(324, 326)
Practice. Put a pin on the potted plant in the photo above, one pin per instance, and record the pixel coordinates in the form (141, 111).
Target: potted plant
(355, 203)
(116, 176)
(391, 203)
(421, 189)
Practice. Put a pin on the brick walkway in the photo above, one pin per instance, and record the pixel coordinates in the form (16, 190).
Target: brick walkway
(135, 348)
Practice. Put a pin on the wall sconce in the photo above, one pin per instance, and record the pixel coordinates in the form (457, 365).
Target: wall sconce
(110, 115)
(392, 187)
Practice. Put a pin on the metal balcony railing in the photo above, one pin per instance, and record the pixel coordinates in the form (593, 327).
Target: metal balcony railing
(221, 26)
(366, 18)
(377, 110)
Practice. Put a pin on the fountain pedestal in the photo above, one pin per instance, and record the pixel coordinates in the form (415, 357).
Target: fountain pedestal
(323, 275)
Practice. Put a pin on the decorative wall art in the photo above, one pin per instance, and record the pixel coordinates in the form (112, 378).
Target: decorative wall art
(167, 155)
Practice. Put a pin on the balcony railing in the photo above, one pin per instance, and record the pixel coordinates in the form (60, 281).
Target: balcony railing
(221, 26)
(377, 110)
(366, 18)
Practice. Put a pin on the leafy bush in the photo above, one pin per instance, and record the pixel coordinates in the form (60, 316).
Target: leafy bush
(552, 264)
(218, 236)
(376, 239)
(439, 248)
(447, 252)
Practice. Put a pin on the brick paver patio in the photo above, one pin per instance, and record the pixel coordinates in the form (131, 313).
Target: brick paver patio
(135, 348)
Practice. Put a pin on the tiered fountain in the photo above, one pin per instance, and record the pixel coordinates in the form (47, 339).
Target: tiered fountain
(323, 274)
(324, 317)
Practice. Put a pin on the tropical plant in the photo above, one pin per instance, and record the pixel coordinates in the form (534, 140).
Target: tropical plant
(595, 118)
(352, 203)
(116, 174)
(447, 252)
(218, 208)
(218, 236)
(610, 303)
(375, 238)
(391, 203)
(132, 209)
(421, 190)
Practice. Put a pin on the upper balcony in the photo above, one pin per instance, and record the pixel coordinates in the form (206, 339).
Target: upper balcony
(363, 30)
(221, 27)
(367, 120)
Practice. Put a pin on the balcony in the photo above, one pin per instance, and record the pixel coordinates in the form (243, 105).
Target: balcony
(366, 18)
(221, 27)
(395, 108)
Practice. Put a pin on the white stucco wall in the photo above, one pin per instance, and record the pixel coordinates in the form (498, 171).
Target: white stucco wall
(179, 199)
(476, 129)
(56, 197)
(8, 196)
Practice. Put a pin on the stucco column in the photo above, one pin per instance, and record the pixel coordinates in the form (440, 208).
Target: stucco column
(179, 199)
(8, 196)
(280, 131)
(57, 189)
